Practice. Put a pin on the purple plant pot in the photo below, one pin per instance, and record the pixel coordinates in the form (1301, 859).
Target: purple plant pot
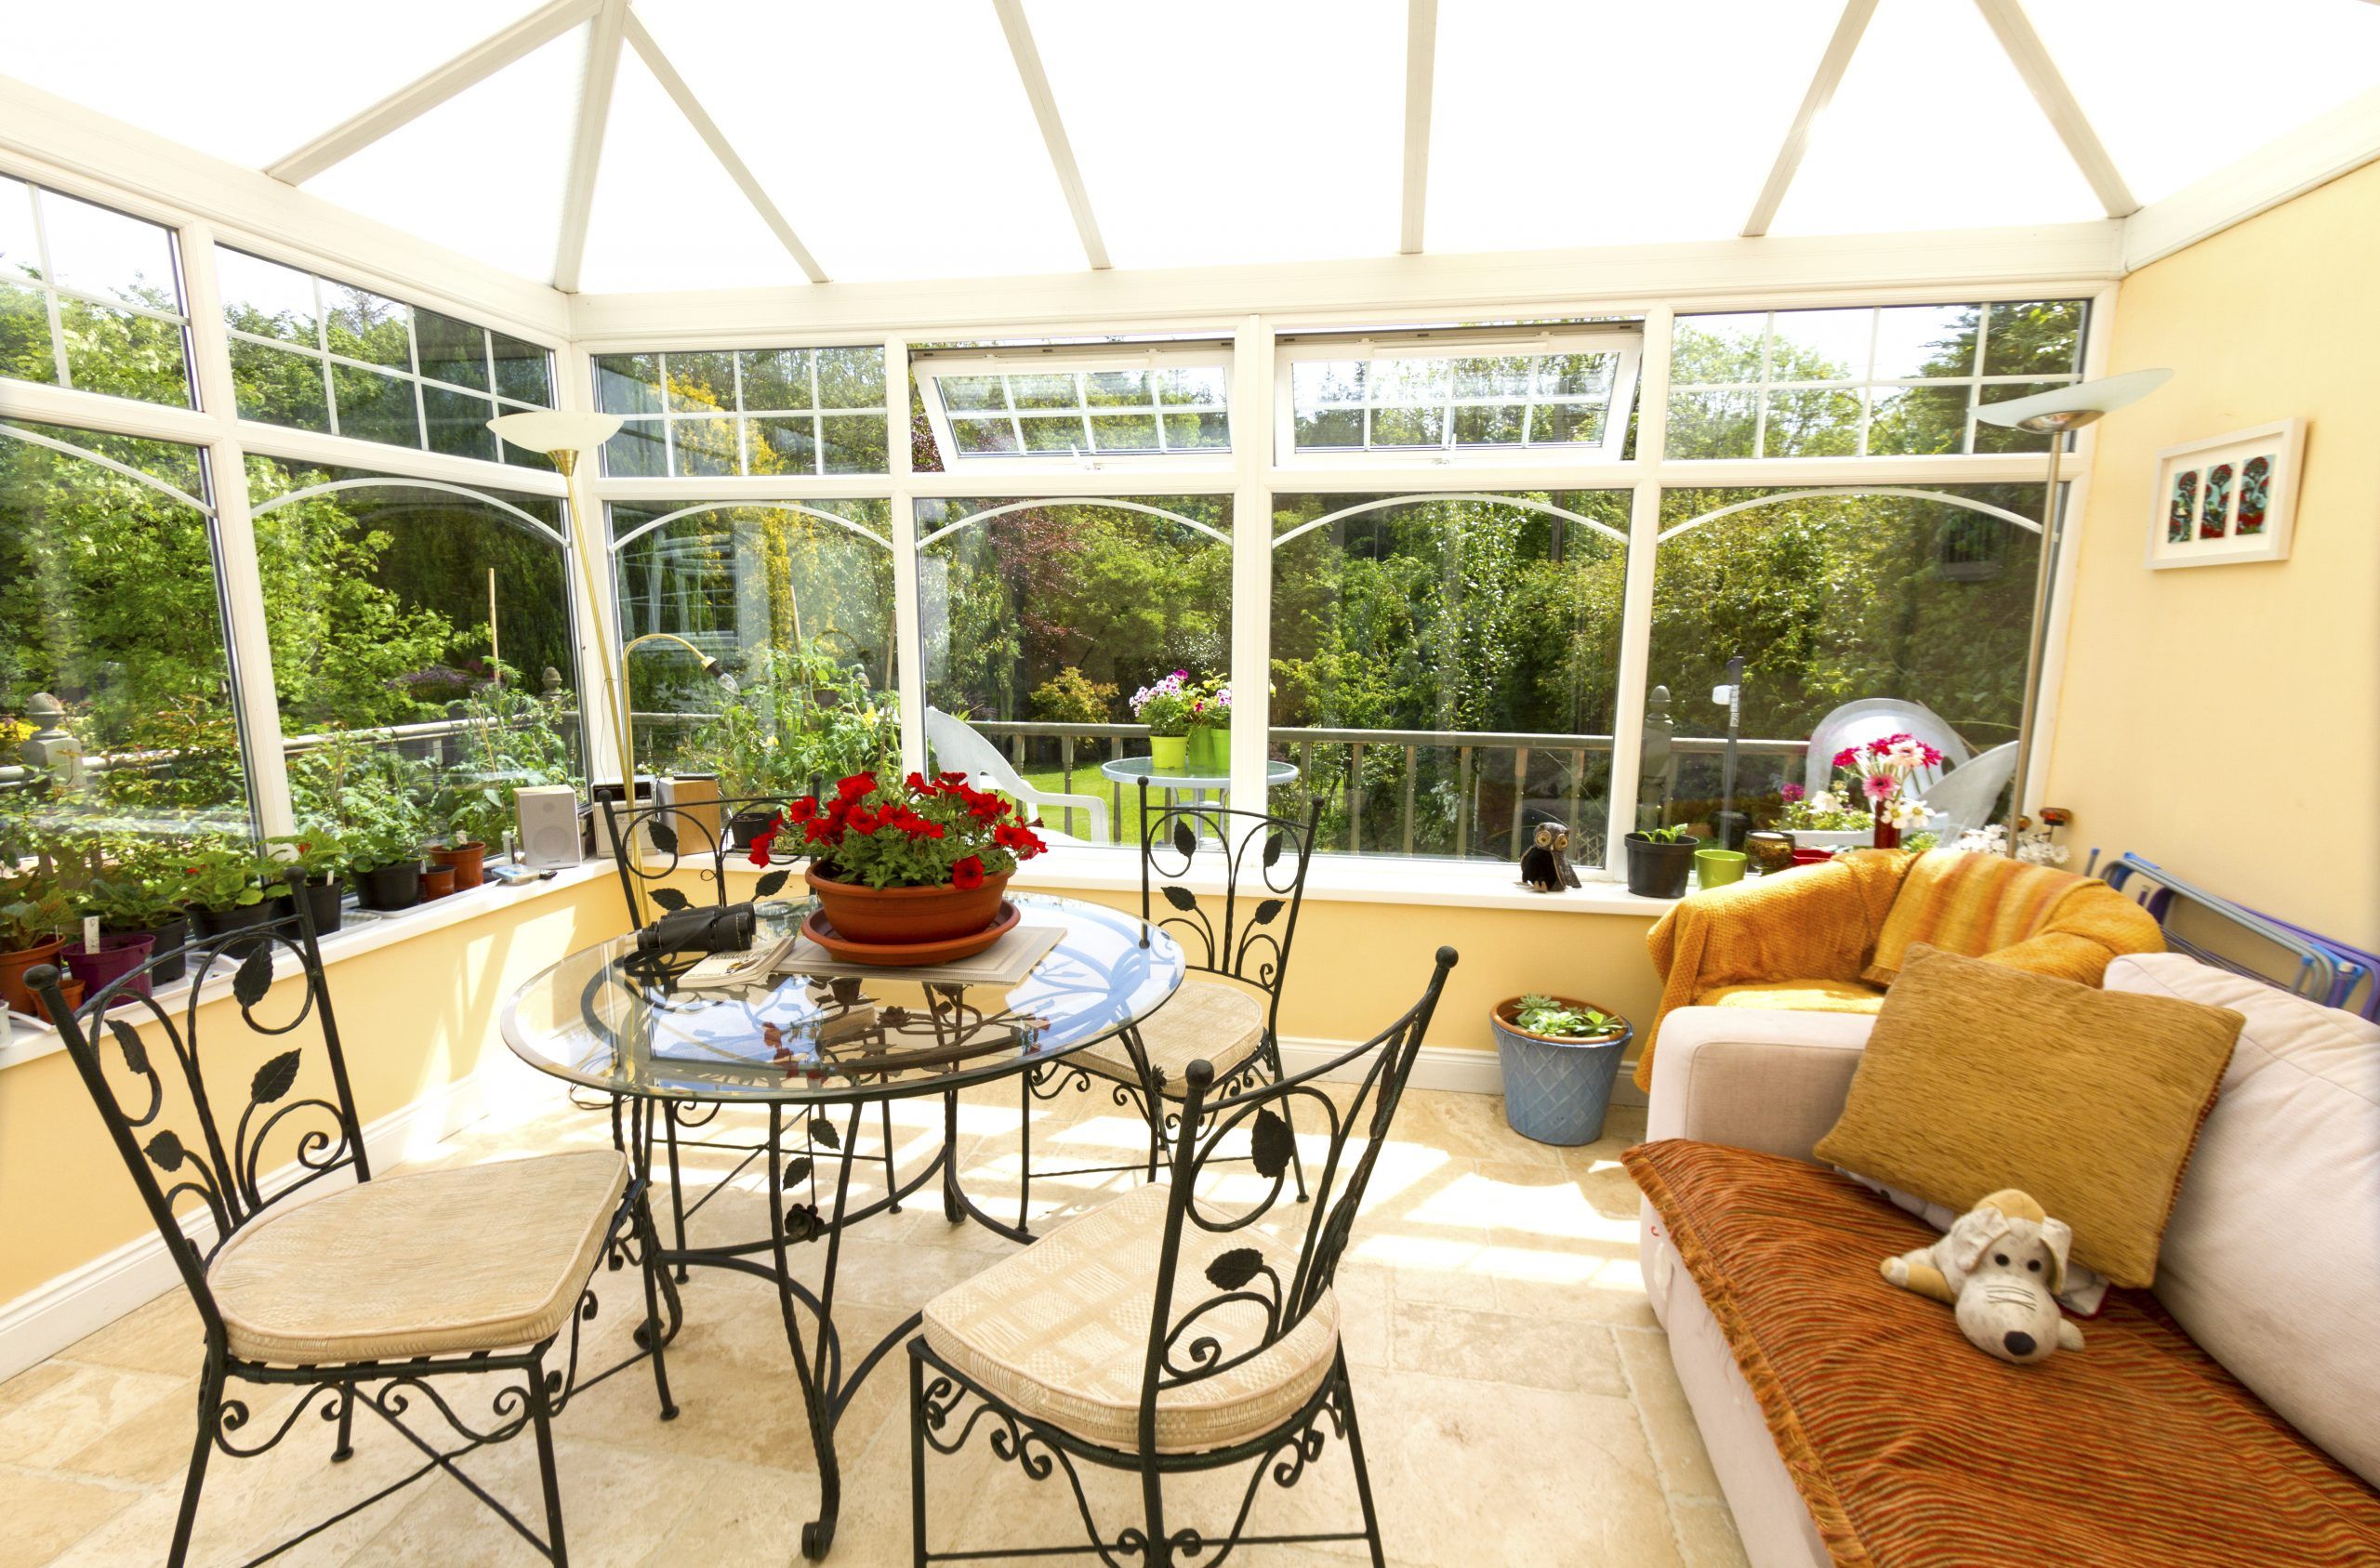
(117, 957)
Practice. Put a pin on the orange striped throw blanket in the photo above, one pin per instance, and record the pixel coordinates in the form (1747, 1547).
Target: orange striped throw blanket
(1832, 937)
(1913, 1451)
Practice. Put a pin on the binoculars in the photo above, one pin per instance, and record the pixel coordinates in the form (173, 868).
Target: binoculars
(727, 928)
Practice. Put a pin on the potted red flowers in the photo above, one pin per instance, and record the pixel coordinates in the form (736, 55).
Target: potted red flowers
(917, 862)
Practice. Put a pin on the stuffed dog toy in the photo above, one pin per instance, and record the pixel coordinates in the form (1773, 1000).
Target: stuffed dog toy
(2000, 1267)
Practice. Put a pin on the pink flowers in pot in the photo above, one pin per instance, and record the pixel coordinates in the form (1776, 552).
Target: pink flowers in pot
(1880, 772)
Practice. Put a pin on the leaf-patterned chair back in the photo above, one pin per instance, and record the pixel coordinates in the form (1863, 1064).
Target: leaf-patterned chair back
(653, 845)
(1246, 1298)
(1245, 930)
(238, 1123)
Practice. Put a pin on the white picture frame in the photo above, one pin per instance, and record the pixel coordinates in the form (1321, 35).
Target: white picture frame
(2227, 500)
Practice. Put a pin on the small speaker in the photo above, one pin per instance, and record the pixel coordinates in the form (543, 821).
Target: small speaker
(549, 819)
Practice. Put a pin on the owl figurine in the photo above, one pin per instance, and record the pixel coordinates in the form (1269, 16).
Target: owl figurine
(1545, 864)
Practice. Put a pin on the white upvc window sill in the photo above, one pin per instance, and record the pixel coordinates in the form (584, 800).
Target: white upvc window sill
(363, 931)
(1351, 879)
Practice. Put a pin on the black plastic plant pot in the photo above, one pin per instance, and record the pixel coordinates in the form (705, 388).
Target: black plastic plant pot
(390, 886)
(166, 938)
(323, 904)
(1657, 870)
(239, 918)
(744, 826)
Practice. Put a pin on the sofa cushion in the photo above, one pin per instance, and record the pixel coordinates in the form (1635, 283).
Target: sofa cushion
(1978, 1077)
(2272, 1260)
(1797, 996)
(2031, 917)
(1909, 1445)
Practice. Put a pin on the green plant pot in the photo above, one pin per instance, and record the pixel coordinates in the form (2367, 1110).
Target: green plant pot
(1210, 751)
(1714, 869)
(1167, 753)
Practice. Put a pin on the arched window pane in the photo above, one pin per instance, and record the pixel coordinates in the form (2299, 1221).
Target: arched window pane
(1445, 667)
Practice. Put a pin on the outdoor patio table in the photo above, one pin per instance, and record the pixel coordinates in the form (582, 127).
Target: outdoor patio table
(815, 1053)
(1135, 770)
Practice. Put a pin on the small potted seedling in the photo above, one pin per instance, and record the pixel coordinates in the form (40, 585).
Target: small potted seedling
(1560, 1059)
(1659, 860)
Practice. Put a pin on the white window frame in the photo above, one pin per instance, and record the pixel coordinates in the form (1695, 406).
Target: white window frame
(931, 366)
(52, 291)
(1625, 337)
(740, 415)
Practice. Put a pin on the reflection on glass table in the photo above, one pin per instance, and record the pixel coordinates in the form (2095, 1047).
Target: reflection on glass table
(1139, 770)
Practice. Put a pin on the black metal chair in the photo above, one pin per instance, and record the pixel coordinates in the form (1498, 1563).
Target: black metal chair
(363, 1294)
(1169, 1331)
(1241, 935)
(695, 840)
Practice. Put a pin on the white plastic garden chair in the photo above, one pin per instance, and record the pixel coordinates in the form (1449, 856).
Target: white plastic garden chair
(1965, 795)
(1868, 718)
(959, 749)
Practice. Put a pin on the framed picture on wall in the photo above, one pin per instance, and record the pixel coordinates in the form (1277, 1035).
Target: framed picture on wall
(2227, 500)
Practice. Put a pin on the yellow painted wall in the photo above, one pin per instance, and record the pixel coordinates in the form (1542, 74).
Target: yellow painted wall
(415, 1017)
(2225, 720)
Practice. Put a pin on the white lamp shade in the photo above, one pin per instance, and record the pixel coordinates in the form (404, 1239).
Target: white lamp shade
(2089, 399)
(550, 430)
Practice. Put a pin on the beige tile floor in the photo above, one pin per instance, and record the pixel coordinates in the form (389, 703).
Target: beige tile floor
(1518, 1399)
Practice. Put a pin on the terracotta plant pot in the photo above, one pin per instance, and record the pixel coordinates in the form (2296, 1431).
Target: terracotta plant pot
(117, 957)
(469, 862)
(908, 915)
(13, 965)
(437, 881)
(69, 987)
(391, 887)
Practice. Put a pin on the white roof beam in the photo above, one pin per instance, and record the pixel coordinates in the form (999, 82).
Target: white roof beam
(587, 148)
(1829, 76)
(408, 103)
(2031, 56)
(1421, 72)
(1022, 48)
(713, 138)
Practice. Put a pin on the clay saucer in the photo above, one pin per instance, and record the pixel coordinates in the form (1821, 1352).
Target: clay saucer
(908, 955)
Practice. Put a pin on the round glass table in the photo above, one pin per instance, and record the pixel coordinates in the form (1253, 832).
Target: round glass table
(1139, 770)
(812, 1052)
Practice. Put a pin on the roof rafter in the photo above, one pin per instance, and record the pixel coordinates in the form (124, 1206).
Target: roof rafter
(2031, 56)
(713, 138)
(1421, 72)
(1028, 57)
(1828, 77)
(416, 98)
(603, 47)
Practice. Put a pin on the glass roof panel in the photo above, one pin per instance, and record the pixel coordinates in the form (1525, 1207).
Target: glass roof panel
(1553, 126)
(2207, 81)
(896, 149)
(483, 172)
(252, 87)
(666, 214)
(1932, 128)
(1247, 131)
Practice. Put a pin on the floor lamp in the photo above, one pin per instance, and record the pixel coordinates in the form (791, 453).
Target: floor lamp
(566, 438)
(2054, 414)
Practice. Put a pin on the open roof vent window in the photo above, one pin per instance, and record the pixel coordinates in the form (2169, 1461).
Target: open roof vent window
(1449, 397)
(1067, 405)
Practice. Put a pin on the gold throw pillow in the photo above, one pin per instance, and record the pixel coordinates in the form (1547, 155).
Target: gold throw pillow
(1978, 1077)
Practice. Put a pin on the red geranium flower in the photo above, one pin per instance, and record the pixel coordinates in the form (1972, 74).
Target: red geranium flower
(968, 872)
(762, 840)
(858, 786)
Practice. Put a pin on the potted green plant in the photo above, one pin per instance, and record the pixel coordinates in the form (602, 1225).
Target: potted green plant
(910, 864)
(225, 880)
(34, 914)
(473, 813)
(384, 835)
(1658, 861)
(1164, 707)
(312, 862)
(138, 891)
(1560, 1059)
(1210, 728)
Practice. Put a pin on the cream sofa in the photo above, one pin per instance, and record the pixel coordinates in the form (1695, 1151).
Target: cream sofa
(2271, 1261)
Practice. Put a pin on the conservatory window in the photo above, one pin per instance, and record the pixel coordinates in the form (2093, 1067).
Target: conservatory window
(1040, 619)
(90, 298)
(1922, 598)
(422, 642)
(1130, 402)
(743, 411)
(1445, 667)
(1894, 381)
(109, 605)
(1555, 392)
(794, 600)
(310, 353)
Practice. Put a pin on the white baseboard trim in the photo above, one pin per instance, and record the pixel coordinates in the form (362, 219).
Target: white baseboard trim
(81, 1301)
(1437, 1067)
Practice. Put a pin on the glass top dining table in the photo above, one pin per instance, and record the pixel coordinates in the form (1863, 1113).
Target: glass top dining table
(611, 1018)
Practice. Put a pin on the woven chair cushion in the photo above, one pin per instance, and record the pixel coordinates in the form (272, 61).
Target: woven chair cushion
(1060, 1331)
(1206, 1017)
(475, 1258)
